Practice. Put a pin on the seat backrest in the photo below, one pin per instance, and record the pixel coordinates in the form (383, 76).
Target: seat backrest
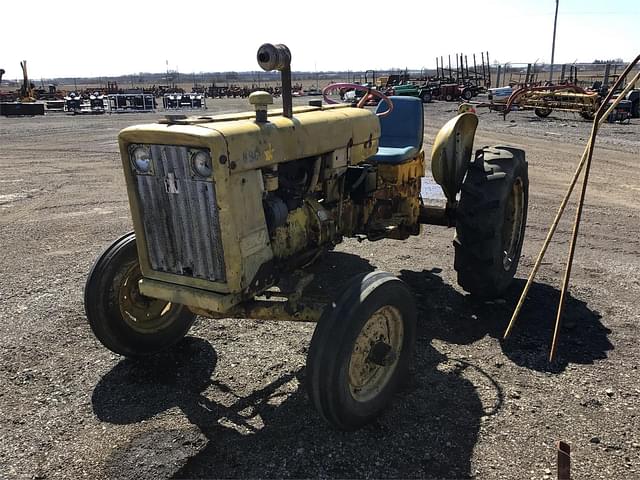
(403, 127)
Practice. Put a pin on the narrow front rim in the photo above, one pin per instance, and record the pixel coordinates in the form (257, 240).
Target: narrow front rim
(143, 314)
(375, 353)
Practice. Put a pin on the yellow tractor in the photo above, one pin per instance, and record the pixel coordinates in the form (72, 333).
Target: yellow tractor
(228, 210)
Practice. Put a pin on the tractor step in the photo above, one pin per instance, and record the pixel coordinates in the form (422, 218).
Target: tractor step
(433, 205)
(430, 192)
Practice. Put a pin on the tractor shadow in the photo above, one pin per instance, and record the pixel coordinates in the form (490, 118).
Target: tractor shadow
(198, 427)
(202, 429)
(453, 317)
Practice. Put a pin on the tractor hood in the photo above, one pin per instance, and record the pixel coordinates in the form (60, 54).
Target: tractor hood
(250, 145)
(312, 131)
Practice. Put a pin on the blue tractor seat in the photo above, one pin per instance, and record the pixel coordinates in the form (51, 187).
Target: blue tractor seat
(401, 131)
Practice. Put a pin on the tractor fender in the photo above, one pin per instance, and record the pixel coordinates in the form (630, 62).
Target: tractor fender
(451, 153)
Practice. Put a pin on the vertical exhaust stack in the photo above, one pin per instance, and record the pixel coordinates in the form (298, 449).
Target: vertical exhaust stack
(278, 57)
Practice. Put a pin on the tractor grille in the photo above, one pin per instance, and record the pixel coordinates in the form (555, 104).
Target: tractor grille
(180, 217)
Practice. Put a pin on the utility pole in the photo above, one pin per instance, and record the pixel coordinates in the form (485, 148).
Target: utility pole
(553, 43)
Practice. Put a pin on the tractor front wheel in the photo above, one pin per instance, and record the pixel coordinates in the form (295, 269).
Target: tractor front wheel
(124, 320)
(490, 221)
(361, 349)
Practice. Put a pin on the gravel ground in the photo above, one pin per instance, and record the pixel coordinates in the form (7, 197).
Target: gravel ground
(227, 402)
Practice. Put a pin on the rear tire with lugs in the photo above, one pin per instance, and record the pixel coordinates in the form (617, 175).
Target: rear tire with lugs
(490, 221)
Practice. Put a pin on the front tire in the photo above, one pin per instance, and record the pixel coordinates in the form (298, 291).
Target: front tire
(361, 350)
(426, 97)
(490, 221)
(124, 320)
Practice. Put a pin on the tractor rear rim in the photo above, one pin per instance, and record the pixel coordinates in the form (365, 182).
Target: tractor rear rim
(512, 230)
(375, 353)
(143, 314)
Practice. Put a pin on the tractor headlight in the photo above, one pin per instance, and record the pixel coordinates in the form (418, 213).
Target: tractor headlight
(201, 163)
(141, 159)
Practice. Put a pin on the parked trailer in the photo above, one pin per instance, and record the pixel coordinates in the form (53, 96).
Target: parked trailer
(77, 104)
(21, 109)
(174, 101)
(131, 102)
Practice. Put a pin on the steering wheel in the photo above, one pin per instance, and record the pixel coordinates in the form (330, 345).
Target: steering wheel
(363, 100)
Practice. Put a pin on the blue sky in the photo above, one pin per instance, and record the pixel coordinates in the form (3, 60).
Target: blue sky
(120, 37)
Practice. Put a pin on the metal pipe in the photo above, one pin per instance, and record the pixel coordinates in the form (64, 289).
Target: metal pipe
(564, 460)
(278, 57)
(576, 224)
(607, 69)
(287, 97)
(565, 200)
(488, 69)
(553, 43)
(475, 70)
(466, 65)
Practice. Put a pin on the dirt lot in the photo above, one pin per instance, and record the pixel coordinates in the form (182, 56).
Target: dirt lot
(227, 401)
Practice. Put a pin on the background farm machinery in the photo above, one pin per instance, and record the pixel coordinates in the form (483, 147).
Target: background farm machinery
(23, 103)
(187, 100)
(578, 88)
(447, 84)
(464, 81)
(544, 99)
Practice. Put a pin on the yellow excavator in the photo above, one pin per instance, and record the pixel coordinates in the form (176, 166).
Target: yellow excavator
(26, 104)
(26, 90)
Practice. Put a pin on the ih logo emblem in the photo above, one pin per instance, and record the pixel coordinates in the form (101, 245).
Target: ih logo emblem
(170, 183)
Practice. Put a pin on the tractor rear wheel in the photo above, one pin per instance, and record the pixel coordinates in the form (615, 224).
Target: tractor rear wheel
(124, 320)
(467, 94)
(426, 97)
(361, 350)
(490, 221)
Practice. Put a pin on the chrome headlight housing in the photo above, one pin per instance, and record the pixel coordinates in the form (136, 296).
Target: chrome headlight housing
(201, 163)
(140, 158)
